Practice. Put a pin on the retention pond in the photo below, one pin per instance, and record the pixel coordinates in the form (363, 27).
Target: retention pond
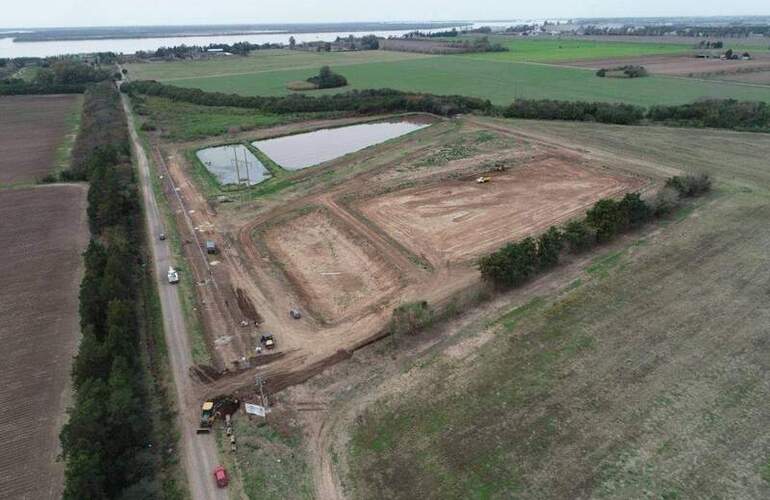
(295, 152)
(233, 164)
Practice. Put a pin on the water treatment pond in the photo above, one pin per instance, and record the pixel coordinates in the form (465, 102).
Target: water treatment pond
(295, 152)
(233, 164)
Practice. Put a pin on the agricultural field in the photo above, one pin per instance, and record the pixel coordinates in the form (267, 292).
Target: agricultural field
(38, 138)
(499, 81)
(522, 49)
(259, 61)
(39, 332)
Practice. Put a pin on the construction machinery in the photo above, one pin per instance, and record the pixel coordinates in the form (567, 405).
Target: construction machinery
(220, 407)
(482, 180)
(207, 417)
(268, 341)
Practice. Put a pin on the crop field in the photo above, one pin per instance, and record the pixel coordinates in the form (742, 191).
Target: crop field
(499, 81)
(39, 331)
(522, 49)
(34, 135)
(260, 61)
(641, 376)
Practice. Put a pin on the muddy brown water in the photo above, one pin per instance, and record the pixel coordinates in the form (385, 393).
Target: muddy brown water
(221, 161)
(295, 152)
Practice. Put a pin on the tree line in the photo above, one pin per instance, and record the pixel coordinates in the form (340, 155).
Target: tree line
(64, 76)
(356, 101)
(517, 262)
(105, 443)
(713, 113)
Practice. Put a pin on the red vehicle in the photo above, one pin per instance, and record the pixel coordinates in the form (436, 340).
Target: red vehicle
(220, 474)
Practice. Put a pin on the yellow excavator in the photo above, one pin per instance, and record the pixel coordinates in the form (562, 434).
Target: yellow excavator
(216, 408)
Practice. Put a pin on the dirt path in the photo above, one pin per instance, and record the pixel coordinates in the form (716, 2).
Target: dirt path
(199, 453)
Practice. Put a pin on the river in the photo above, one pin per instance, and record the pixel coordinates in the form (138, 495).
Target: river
(11, 49)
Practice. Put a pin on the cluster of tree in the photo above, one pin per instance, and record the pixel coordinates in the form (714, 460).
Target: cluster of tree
(708, 44)
(357, 101)
(628, 71)
(732, 55)
(367, 42)
(621, 114)
(435, 34)
(103, 137)
(715, 113)
(735, 31)
(517, 262)
(522, 28)
(190, 51)
(711, 113)
(60, 76)
(105, 441)
(481, 44)
(327, 79)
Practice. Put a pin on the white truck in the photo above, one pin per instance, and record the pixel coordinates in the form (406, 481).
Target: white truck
(173, 276)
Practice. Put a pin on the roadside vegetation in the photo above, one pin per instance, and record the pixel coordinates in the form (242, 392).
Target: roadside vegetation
(65, 76)
(105, 441)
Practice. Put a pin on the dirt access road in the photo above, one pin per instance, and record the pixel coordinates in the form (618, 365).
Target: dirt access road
(199, 452)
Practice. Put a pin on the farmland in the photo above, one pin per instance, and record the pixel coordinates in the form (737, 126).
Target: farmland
(499, 81)
(39, 331)
(47, 125)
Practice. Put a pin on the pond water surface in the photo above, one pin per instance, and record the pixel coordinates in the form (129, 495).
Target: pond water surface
(295, 152)
(221, 161)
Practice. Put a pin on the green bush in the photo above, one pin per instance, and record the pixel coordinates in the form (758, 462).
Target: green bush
(327, 79)
(410, 318)
(549, 247)
(689, 186)
(579, 236)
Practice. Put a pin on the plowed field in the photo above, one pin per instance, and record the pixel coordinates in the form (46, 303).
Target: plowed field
(43, 233)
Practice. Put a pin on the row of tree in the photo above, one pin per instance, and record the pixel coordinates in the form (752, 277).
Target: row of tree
(628, 71)
(712, 113)
(517, 262)
(105, 441)
(357, 101)
(62, 76)
(715, 113)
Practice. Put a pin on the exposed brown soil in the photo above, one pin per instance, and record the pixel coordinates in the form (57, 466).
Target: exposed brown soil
(678, 65)
(337, 273)
(31, 129)
(395, 227)
(460, 220)
(43, 232)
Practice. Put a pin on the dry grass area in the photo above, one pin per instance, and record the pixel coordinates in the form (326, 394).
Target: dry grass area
(39, 331)
(31, 131)
(644, 377)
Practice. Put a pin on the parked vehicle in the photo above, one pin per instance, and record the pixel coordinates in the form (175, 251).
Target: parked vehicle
(295, 314)
(173, 276)
(220, 475)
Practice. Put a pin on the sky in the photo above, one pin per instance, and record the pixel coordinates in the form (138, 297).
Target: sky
(64, 13)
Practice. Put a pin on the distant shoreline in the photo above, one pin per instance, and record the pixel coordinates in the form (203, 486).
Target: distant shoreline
(133, 33)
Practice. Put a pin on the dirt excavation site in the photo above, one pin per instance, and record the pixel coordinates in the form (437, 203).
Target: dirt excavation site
(347, 241)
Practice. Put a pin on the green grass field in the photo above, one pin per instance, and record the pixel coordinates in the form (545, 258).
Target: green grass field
(522, 49)
(500, 82)
(523, 72)
(643, 379)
